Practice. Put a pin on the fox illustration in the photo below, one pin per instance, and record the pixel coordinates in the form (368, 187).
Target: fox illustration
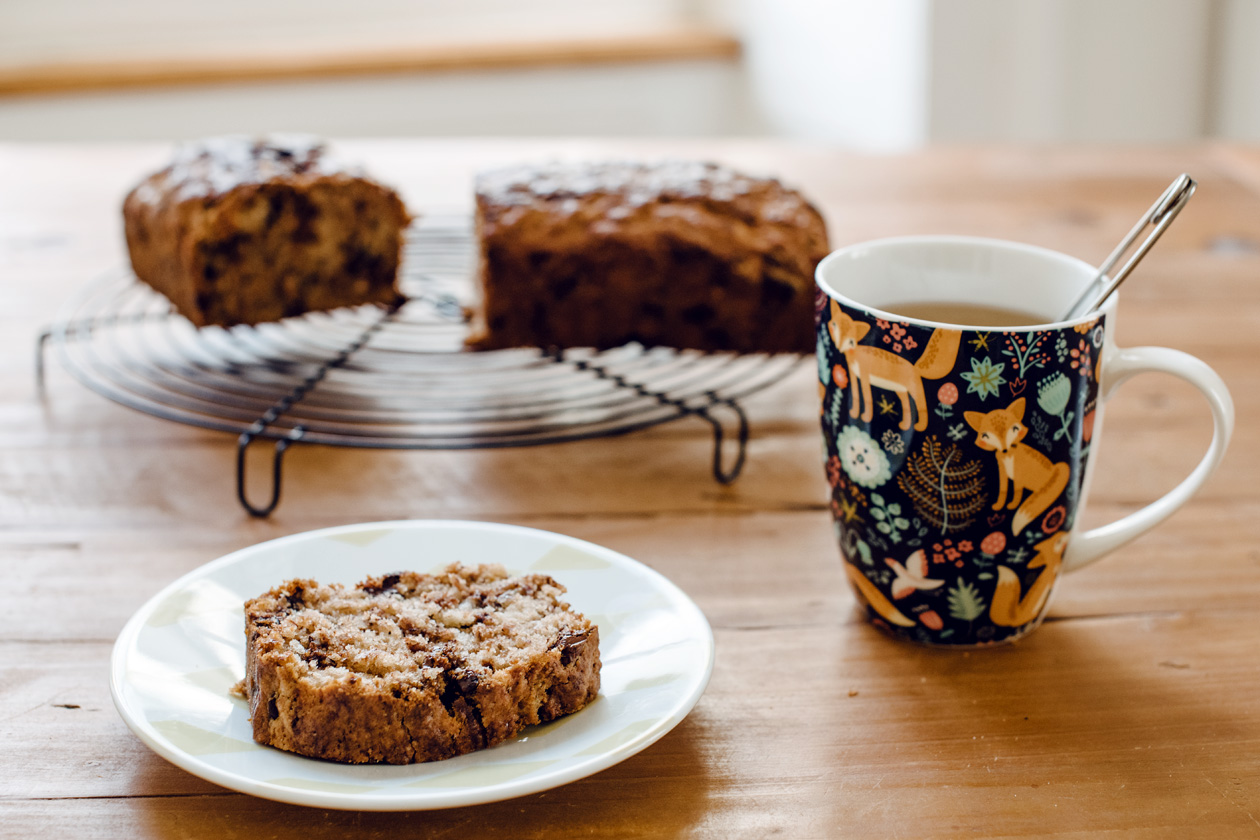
(1009, 609)
(875, 599)
(874, 366)
(1002, 432)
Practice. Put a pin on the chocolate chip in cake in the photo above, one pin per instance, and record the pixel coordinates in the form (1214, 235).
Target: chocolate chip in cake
(776, 291)
(387, 582)
(699, 313)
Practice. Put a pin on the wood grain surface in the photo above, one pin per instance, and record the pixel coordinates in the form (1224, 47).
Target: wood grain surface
(1133, 712)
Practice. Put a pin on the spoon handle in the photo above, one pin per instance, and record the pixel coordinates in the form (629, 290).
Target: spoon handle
(1160, 215)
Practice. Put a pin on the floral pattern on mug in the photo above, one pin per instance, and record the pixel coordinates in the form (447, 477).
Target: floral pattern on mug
(955, 460)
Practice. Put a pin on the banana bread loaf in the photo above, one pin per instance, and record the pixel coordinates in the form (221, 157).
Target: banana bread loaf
(677, 253)
(239, 231)
(412, 667)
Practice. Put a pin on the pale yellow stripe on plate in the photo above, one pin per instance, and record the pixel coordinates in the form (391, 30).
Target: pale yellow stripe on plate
(618, 739)
(322, 787)
(651, 682)
(484, 775)
(187, 603)
(172, 609)
(564, 558)
(609, 623)
(197, 741)
(215, 680)
(362, 539)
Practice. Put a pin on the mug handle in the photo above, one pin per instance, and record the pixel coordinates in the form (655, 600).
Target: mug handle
(1123, 364)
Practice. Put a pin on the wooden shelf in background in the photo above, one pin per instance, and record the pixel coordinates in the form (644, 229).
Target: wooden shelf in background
(65, 77)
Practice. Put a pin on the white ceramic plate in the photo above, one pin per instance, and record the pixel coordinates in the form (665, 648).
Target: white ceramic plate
(179, 655)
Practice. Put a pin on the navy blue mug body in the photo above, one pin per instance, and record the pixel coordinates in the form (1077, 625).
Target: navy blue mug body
(956, 460)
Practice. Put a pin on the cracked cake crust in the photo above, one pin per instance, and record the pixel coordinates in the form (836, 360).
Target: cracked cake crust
(242, 231)
(671, 253)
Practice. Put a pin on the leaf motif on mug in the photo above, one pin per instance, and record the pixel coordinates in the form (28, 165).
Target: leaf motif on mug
(1025, 349)
(945, 487)
(965, 603)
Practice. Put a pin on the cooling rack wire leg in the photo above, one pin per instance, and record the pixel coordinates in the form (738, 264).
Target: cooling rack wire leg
(282, 446)
(722, 474)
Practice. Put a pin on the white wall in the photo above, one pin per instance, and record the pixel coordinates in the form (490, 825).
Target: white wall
(1070, 70)
(879, 75)
(842, 70)
(898, 73)
(1235, 107)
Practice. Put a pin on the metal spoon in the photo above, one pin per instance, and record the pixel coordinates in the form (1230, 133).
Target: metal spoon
(1160, 215)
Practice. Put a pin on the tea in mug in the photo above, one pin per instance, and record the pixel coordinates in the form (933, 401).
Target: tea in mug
(968, 314)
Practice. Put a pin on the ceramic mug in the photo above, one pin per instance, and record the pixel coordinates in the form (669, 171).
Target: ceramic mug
(959, 455)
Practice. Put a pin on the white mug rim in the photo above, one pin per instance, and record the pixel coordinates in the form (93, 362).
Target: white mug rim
(980, 242)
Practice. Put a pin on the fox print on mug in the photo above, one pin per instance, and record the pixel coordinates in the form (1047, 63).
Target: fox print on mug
(959, 455)
(869, 364)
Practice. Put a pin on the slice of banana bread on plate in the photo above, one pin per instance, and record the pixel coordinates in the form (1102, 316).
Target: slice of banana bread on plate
(412, 667)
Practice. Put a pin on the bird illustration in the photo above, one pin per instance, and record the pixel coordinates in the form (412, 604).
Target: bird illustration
(911, 576)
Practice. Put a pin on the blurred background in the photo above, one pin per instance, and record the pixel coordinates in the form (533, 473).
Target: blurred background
(875, 76)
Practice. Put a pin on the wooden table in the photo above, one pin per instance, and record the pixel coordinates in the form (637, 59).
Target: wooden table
(1135, 709)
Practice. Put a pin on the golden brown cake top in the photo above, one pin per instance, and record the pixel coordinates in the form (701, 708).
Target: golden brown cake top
(620, 195)
(215, 166)
(393, 625)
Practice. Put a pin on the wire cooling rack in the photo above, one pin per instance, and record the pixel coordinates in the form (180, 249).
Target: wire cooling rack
(391, 379)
